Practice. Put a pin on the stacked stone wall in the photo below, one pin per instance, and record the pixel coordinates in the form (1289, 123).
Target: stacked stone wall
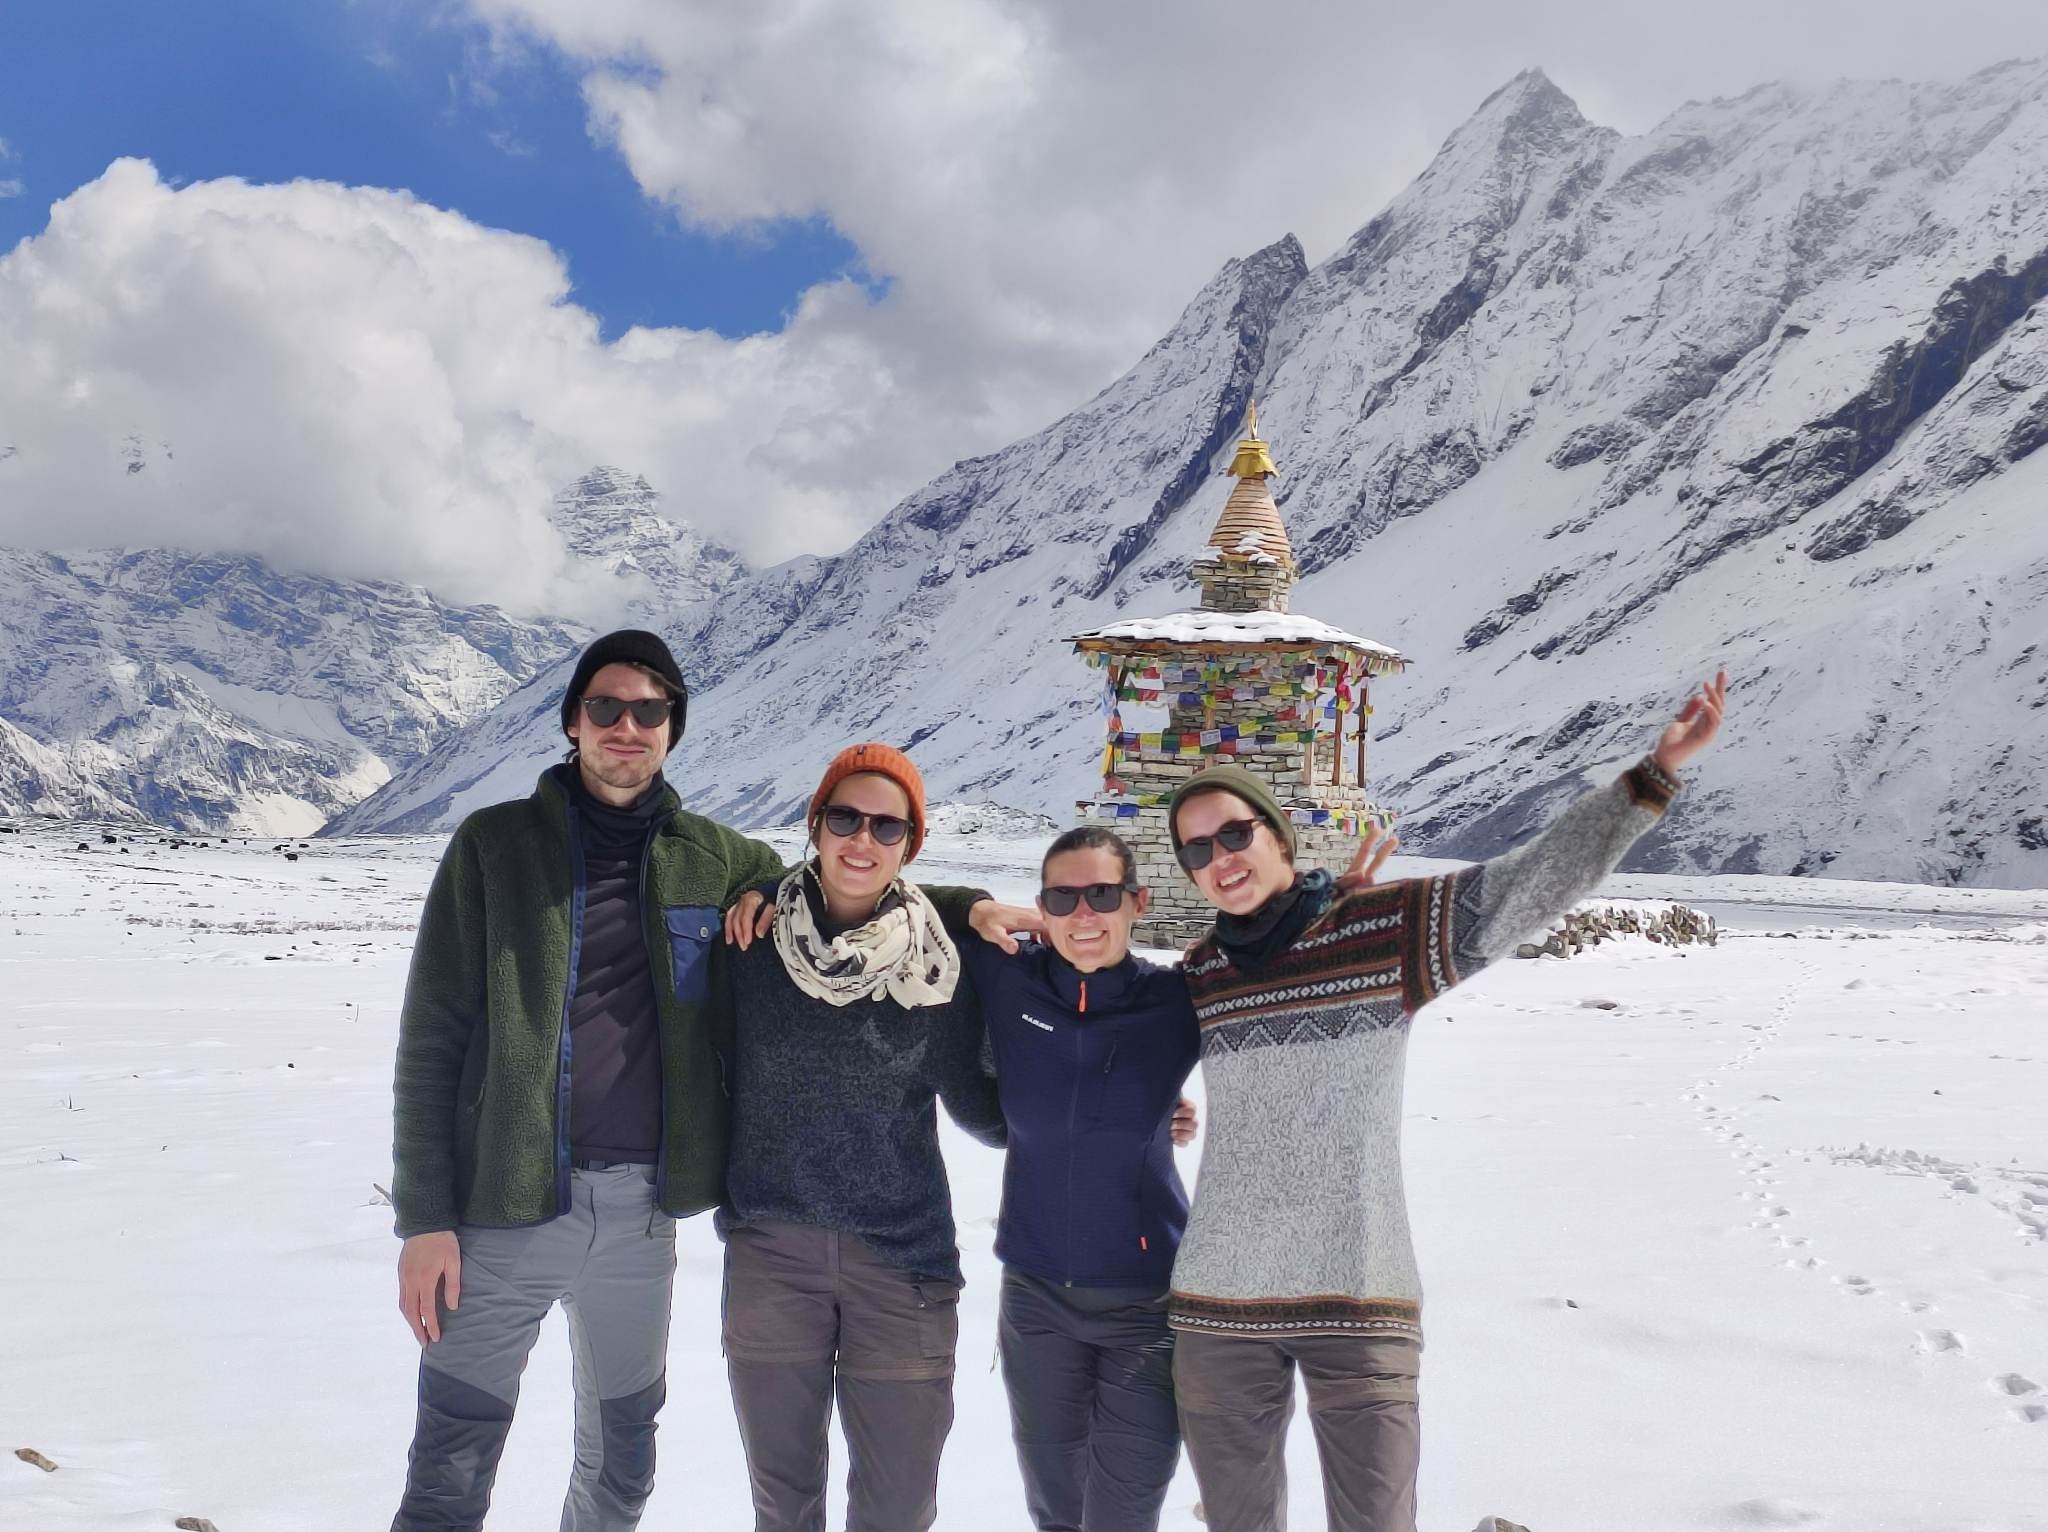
(1243, 587)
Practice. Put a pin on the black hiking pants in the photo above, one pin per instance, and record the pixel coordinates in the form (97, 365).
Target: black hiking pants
(1089, 1372)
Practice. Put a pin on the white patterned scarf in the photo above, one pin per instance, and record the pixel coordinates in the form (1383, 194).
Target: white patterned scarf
(902, 954)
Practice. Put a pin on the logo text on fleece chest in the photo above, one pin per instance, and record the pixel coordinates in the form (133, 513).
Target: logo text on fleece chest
(1043, 1026)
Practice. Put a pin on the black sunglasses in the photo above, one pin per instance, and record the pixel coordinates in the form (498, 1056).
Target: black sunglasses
(845, 823)
(1103, 898)
(1196, 851)
(648, 712)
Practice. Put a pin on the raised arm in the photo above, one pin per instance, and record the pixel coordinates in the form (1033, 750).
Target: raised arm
(1487, 909)
(1495, 905)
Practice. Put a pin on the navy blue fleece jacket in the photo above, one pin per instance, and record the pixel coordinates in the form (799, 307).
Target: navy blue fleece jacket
(1088, 1069)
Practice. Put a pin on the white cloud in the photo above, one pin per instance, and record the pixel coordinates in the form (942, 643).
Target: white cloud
(10, 188)
(1044, 183)
(352, 380)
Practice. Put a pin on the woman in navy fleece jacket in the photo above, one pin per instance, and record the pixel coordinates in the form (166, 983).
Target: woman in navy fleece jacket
(1091, 1049)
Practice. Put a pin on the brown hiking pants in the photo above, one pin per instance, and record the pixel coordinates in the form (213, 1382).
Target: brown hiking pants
(1236, 1396)
(808, 1310)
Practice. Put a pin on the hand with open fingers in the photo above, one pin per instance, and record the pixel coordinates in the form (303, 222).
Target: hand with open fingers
(1185, 1123)
(429, 1266)
(743, 922)
(993, 922)
(1694, 728)
(1374, 847)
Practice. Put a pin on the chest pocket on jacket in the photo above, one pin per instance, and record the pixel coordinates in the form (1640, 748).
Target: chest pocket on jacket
(691, 930)
(1117, 1090)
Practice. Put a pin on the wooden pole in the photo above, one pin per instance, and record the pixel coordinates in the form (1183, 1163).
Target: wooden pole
(1364, 712)
(1337, 735)
(1315, 729)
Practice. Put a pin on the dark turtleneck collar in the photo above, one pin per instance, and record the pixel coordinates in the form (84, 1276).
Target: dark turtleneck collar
(608, 826)
(1272, 927)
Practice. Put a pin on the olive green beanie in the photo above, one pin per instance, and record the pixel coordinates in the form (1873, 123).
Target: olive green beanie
(1239, 783)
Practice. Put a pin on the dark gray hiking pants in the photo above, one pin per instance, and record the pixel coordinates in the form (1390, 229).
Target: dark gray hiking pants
(807, 1309)
(1089, 1372)
(610, 1261)
(1236, 1397)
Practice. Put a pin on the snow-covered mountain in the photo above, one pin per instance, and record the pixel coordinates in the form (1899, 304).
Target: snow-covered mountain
(213, 692)
(1575, 418)
(643, 570)
(634, 558)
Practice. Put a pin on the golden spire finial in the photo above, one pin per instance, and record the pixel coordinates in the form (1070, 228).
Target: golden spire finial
(1253, 461)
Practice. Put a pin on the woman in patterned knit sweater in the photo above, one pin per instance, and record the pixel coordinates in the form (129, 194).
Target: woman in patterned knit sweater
(1297, 1253)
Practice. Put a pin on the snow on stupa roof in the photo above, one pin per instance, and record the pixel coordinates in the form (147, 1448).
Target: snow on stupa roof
(1206, 627)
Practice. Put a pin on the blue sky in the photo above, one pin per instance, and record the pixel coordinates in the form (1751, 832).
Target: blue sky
(376, 94)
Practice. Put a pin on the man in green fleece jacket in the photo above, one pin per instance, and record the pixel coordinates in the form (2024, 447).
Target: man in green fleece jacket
(560, 1095)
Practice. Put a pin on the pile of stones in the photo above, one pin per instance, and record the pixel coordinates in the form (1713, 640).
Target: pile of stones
(1675, 925)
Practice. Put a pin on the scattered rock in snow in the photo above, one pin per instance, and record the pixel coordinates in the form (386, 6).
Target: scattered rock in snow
(1771, 1513)
(30, 1455)
(1675, 925)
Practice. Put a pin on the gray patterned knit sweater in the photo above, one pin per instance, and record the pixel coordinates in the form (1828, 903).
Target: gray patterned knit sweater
(1300, 1223)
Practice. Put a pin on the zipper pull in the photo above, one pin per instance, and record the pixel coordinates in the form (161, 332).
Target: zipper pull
(1084, 994)
(1141, 1243)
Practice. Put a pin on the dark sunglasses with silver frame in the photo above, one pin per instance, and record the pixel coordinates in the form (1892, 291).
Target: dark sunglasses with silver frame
(1103, 898)
(1196, 852)
(845, 823)
(648, 712)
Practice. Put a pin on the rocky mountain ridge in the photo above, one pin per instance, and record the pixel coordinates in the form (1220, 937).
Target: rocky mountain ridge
(214, 692)
(1576, 418)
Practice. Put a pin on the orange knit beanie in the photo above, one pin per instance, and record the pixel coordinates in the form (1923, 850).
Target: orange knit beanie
(883, 761)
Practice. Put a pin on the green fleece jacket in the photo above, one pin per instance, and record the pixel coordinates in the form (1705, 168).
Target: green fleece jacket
(481, 1089)
(482, 1084)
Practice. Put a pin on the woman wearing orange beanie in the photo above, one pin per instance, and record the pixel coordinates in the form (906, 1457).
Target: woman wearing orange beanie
(842, 1271)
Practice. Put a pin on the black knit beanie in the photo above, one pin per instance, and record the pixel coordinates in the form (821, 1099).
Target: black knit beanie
(631, 646)
(1239, 783)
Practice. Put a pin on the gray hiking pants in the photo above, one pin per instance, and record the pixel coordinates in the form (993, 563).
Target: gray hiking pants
(610, 1261)
(808, 1309)
(1236, 1398)
(1089, 1372)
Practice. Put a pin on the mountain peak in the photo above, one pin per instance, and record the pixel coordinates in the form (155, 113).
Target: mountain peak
(606, 483)
(611, 519)
(1527, 112)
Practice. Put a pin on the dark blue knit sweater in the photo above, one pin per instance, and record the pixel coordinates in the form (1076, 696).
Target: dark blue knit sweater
(1090, 1194)
(833, 1118)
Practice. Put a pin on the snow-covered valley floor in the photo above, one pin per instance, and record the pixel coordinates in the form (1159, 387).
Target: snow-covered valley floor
(1747, 1237)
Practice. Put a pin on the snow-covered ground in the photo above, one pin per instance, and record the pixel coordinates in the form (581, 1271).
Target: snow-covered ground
(1754, 1236)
